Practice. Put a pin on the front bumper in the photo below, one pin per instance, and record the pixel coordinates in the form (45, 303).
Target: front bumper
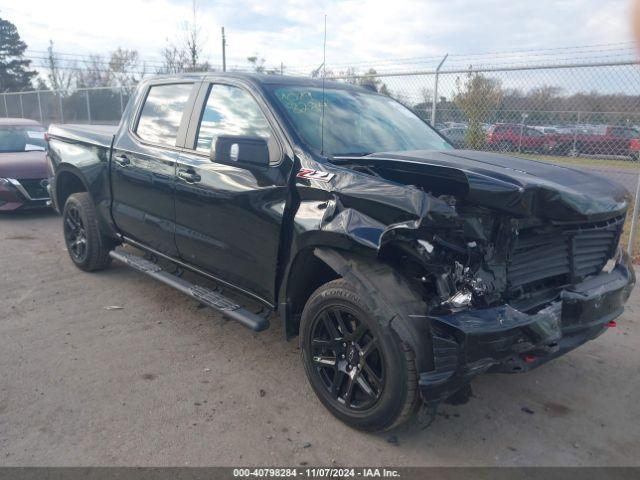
(14, 196)
(503, 339)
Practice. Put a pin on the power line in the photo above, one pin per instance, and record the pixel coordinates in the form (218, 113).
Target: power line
(532, 52)
(551, 51)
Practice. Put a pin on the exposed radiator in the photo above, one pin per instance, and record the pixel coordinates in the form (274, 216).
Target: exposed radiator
(565, 255)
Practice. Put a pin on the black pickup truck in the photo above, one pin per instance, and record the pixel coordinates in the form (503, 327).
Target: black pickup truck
(405, 266)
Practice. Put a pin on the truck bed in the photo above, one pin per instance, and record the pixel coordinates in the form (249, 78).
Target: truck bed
(100, 135)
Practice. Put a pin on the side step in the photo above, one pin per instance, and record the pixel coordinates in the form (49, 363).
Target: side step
(212, 299)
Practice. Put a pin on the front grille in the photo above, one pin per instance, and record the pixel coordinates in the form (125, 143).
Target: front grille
(561, 256)
(34, 188)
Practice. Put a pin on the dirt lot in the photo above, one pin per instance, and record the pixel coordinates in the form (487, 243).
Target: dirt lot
(163, 382)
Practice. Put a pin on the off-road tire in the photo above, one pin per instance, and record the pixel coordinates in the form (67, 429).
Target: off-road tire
(399, 397)
(96, 256)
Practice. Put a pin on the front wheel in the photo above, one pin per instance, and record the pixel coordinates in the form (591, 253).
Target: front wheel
(358, 368)
(87, 247)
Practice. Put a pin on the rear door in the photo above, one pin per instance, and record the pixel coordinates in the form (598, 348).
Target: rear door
(143, 164)
(229, 218)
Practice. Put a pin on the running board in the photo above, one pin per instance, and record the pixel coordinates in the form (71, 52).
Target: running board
(208, 297)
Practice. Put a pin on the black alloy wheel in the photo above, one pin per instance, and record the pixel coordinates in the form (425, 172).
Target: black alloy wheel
(87, 246)
(75, 234)
(347, 358)
(356, 364)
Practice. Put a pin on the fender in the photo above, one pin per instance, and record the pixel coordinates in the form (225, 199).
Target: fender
(95, 180)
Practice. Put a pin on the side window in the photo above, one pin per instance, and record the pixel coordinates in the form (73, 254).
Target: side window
(233, 111)
(162, 113)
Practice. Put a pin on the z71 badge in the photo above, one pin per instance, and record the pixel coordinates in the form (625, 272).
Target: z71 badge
(315, 175)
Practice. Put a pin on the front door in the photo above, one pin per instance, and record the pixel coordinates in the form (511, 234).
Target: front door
(143, 166)
(228, 218)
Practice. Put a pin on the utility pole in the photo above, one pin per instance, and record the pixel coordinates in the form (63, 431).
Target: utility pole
(224, 52)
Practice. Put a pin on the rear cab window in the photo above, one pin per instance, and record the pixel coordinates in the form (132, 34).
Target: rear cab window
(162, 112)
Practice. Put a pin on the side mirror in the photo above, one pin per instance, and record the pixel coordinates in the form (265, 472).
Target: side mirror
(241, 150)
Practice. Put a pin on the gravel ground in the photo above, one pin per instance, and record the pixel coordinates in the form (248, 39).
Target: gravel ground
(162, 382)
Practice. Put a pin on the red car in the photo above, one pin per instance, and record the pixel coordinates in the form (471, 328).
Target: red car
(601, 140)
(513, 137)
(23, 166)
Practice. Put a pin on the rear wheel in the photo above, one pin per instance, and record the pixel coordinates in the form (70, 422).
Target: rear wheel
(357, 367)
(87, 247)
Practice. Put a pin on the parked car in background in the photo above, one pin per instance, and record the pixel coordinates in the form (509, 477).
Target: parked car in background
(23, 166)
(513, 137)
(634, 149)
(597, 140)
(455, 124)
(457, 136)
(546, 129)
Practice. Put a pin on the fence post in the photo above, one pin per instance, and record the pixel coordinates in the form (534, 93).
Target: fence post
(40, 107)
(634, 218)
(575, 133)
(88, 106)
(60, 106)
(6, 108)
(121, 102)
(435, 92)
(21, 106)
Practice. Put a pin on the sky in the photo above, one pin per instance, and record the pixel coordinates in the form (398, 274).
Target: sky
(360, 33)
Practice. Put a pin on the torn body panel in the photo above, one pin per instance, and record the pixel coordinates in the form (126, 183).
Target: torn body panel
(464, 238)
(504, 339)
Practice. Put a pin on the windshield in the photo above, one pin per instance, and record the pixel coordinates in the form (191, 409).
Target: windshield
(355, 122)
(21, 139)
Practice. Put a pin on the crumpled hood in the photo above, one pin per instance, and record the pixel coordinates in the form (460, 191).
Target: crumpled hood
(510, 184)
(23, 165)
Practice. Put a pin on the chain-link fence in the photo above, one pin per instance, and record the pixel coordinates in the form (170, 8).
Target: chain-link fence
(585, 115)
(582, 115)
(83, 105)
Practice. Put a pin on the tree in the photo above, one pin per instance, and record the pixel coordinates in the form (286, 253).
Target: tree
(257, 63)
(174, 60)
(95, 73)
(14, 68)
(193, 39)
(372, 82)
(185, 55)
(60, 79)
(125, 68)
(477, 96)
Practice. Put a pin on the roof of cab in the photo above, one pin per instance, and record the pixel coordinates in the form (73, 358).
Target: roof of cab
(259, 79)
(18, 121)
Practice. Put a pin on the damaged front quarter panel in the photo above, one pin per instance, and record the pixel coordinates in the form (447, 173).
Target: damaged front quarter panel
(450, 235)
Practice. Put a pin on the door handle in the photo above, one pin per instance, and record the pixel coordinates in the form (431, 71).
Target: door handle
(122, 160)
(189, 176)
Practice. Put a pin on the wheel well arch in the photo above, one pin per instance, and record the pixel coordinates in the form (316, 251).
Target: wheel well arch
(67, 183)
(306, 274)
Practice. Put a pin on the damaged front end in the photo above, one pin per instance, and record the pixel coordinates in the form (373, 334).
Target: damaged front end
(515, 266)
(506, 339)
